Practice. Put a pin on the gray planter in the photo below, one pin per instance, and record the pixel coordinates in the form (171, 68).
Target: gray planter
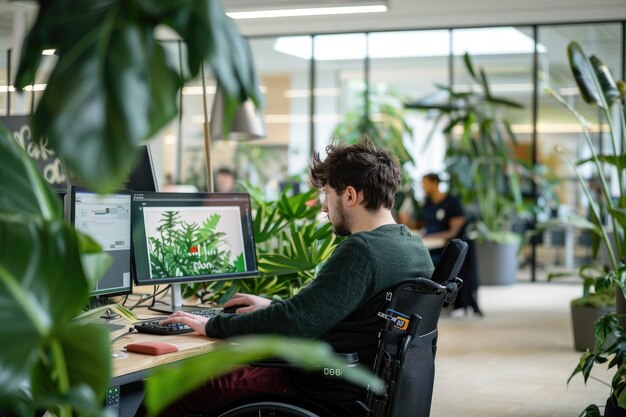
(496, 263)
(583, 319)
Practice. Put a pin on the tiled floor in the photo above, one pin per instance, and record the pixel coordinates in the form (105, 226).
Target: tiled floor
(516, 360)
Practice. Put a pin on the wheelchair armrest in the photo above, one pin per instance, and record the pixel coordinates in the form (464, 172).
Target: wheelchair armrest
(351, 359)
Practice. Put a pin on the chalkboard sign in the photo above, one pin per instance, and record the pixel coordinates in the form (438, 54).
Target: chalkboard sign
(48, 163)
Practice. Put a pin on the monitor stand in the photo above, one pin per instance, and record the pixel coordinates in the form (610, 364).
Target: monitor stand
(176, 303)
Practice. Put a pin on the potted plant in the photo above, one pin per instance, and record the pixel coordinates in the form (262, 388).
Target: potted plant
(291, 244)
(597, 87)
(588, 308)
(484, 171)
(112, 87)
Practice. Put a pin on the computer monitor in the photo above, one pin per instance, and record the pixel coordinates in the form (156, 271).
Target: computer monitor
(106, 218)
(142, 177)
(191, 237)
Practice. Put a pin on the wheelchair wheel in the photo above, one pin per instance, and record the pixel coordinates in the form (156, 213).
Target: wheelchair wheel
(269, 409)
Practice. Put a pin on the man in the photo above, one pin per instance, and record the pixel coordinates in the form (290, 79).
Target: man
(444, 219)
(340, 306)
(442, 213)
(225, 180)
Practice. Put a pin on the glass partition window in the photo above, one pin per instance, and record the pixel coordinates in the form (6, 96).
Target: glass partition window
(557, 127)
(406, 66)
(506, 56)
(339, 82)
(283, 66)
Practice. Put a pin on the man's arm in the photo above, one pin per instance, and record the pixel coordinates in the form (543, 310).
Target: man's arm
(341, 285)
(456, 225)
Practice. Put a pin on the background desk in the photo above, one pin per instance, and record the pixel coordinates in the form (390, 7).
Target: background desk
(130, 370)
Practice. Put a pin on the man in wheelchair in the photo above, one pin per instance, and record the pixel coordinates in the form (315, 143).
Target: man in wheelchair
(342, 305)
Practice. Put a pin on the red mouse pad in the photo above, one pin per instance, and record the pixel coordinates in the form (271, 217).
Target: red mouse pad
(151, 348)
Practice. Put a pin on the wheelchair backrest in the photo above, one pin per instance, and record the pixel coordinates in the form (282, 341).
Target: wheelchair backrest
(408, 343)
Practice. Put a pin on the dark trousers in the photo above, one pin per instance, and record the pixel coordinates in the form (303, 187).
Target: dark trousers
(244, 382)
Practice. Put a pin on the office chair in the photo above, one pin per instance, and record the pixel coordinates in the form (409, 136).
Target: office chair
(406, 352)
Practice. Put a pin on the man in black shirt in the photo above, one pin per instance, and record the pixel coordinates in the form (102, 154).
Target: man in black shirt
(442, 213)
(444, 218)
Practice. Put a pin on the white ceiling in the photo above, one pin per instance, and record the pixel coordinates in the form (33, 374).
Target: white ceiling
(418, 14)
(402, 14)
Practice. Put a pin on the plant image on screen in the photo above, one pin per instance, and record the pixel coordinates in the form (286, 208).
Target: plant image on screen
(185, 248)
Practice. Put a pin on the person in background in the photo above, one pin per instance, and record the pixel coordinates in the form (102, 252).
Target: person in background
(341, 305)
(225, 180)
(444, 218)
(442, 213)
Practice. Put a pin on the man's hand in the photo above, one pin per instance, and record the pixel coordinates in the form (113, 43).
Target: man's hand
(247, 303)
(197, 323)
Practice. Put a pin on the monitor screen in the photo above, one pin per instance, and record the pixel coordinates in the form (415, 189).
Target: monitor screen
(142, 177)
(190, 237)
(106, 218)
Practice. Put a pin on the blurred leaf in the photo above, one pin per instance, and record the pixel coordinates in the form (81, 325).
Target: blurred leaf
(607, 83)
(93, 315)
(169, 383)
(22, 189)
(113, 71)
(469, 66)
(583, 74)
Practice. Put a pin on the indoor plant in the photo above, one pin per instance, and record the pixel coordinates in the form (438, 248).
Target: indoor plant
(589, 307)
(597, 87)
(291, 243)
(484, 170)
(112, 87)
(381, 117)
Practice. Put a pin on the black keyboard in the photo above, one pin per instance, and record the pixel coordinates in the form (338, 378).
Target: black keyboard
(153, 326)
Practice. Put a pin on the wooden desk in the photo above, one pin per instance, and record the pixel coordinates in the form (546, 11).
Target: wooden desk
(130, 369)
(190, 344)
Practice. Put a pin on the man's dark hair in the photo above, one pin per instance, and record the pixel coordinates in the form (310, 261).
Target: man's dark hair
(374, 171)
(432, 177)
(226, 171)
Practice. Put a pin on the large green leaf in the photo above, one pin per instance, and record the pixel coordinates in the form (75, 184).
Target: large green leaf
(42, 283)
(22, 189)
(583, 74)
(607, 83)
(618, 161)
(619, 214)
(168, 384)
(42, 288)
(114, 74)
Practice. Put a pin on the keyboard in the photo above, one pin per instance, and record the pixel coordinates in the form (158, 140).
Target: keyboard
(153, 326)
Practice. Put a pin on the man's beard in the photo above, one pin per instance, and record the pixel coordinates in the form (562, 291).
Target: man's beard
(340, 227)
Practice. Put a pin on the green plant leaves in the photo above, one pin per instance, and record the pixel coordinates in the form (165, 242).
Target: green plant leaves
(33, 196)
(42, 288)
(607, 83)
(168, 384)
(583, 74)
(113, 72)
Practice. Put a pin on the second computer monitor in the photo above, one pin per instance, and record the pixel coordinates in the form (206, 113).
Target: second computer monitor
(191, 237)
(106, 218)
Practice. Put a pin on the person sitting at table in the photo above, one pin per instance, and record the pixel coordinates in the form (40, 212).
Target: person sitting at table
(442, 214)
(443, 218)
(341, 305)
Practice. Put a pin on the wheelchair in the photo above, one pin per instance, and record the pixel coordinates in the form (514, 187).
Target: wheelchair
(405, 358)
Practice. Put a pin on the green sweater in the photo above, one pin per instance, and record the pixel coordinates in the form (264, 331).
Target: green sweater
(339, 305)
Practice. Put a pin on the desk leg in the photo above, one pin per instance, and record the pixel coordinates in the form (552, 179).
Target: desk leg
(569, 247)
(131, 396)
